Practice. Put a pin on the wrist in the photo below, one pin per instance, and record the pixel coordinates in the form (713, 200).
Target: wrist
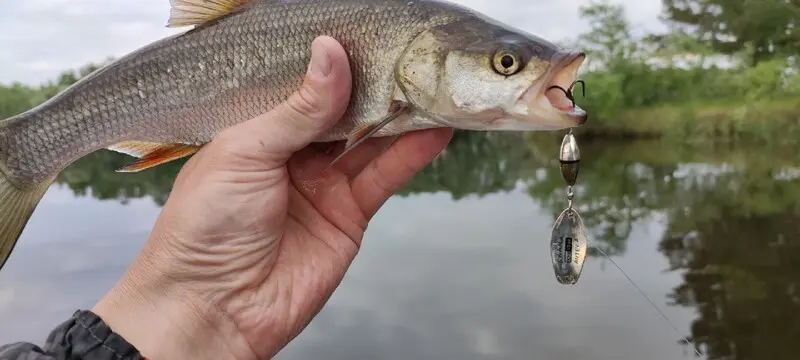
(163, 321)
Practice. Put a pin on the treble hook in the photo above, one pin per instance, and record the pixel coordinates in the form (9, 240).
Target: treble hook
(568, 93)
(583, 87)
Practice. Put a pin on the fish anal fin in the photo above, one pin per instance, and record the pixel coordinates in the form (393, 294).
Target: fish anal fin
(152, 154)
(198, 12)
(136, 149)
(365, 132)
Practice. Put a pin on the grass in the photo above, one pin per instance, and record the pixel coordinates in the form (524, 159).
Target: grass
(762, 120)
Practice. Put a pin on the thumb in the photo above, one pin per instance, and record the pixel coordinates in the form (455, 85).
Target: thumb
(309, 111)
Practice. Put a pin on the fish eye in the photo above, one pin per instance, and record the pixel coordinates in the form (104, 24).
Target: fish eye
(506, 62)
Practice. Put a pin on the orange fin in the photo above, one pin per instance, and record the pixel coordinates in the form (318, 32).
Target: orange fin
(135, 148)
(152, 154)
(365, 132)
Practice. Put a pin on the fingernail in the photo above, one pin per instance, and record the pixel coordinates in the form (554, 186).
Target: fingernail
(320, 65)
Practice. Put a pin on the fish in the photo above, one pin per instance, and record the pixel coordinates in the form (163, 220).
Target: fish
(416, 64)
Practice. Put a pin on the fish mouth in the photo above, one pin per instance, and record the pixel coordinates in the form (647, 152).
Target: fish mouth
(561, 80)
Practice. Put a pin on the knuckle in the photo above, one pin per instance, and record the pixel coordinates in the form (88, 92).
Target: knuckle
(226, 135)
(306, 103)
(235, 146)
(226, 140)
(380, 181)
(403, 162)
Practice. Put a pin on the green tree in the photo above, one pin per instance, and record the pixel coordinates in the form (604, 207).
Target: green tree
(763, 29)
(609, 43)
(678, 43)
(15, 99)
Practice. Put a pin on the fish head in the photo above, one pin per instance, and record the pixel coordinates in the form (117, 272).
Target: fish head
(481, 75)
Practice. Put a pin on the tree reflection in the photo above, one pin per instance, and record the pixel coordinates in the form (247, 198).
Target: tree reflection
(737, 242)
(95, 175)
(617, 186)
(475, 163)
(731, 215)
(615, 190)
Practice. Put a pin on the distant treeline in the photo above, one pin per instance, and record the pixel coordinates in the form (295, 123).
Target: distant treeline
(689, 82)
(17, 97)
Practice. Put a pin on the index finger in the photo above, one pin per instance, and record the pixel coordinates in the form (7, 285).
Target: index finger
(382, 177)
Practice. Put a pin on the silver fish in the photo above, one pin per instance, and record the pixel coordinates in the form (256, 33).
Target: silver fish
(416, 64)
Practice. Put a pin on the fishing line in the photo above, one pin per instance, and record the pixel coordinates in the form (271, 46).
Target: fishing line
(569, 177)
(677, 332)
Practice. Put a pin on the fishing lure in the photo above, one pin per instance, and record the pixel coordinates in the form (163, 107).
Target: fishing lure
(569, 240)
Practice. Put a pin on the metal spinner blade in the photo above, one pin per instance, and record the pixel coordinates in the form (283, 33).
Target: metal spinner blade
(569, 239)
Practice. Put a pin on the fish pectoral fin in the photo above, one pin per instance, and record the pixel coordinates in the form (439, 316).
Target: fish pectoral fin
(365, 132)
(197, 12)
(151, 154)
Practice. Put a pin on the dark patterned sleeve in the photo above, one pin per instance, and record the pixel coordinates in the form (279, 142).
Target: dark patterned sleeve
(83, 337)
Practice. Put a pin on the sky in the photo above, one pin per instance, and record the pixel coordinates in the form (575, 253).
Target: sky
(41, 38)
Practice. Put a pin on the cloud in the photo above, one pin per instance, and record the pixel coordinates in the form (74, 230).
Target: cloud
(41, 38)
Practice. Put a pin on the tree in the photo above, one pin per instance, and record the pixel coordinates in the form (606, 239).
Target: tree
(678, 45)
(763, 29)
(609, 41)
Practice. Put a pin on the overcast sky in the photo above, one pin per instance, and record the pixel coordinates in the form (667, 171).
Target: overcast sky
(41, 38)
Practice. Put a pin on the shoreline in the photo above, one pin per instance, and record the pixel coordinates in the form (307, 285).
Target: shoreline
(761, 120)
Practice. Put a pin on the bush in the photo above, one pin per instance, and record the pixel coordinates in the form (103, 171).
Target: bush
(632, 85)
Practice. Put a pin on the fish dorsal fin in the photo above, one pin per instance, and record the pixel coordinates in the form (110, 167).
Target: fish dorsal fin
(151, 154)
(197, 12)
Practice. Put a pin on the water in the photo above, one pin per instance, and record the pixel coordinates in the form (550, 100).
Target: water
(458, 267)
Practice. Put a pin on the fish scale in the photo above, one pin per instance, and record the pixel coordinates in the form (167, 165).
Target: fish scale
(412, 62)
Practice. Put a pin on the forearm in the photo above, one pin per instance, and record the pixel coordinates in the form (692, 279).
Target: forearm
(84, 336)
(148, 308)
(159, 326)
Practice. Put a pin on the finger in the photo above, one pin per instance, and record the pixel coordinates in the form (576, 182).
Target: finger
(388, 172)
(309, 111)
(354, 162)
(325, 147)
(328, 191)
(316, 157)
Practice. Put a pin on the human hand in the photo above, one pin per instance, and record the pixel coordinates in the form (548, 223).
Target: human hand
(255, 235)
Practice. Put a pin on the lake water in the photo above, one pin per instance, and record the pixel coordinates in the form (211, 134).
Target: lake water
(457, 266)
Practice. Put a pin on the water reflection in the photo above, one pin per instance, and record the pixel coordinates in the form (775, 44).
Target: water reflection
(731, 218)
(94, 175)
(729, 238)
(737, 241)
